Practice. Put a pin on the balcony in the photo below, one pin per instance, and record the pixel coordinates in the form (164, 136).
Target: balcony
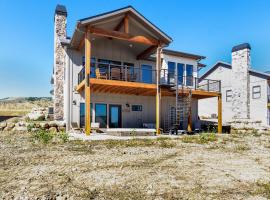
(141, 81)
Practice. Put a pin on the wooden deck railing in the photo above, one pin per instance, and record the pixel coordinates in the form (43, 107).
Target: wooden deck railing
(145, 75)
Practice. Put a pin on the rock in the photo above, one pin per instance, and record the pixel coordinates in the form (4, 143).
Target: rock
(62, 129)
(19, 128)
(44, 125)
(3, 124)
(10, 125)
(53, 129)
(34, 129)
(53, 124)
(36, 116)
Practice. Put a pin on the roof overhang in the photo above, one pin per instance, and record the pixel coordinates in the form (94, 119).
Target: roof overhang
(100, 19)
(182, 54)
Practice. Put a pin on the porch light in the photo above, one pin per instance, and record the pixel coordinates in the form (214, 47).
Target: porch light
(127, 105)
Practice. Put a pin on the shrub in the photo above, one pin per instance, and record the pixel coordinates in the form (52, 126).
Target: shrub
(207, 137)
(63, 136)
(43, 136)
(201, 139)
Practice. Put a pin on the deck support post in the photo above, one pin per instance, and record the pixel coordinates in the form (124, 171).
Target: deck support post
(87, 83)
(219, 113)
(158, 67)
(190, 117)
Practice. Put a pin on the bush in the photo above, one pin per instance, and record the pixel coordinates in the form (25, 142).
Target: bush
(63, 136)
(201, 139)
(43, 136)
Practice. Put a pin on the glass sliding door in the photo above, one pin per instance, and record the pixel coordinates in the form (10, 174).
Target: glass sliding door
(180, 73)
(115, 116)
(189, 78)
(171, 72)
(147, 74)
(101, 114)
(82, 114)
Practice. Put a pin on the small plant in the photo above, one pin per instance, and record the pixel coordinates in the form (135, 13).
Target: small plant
(201, 139)
(241, 148)
(63, 136)
(166, 144)
(263, 189)
(30, 127)
(43, 136)
(207, 137)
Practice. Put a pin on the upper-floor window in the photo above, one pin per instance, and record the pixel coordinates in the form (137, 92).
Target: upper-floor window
(171, 72)
(256, 92)
(189, 75)
(146, 74)
(180, 72)
(228, 95)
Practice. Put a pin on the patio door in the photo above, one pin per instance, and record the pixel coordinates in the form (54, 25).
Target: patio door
(115, 116)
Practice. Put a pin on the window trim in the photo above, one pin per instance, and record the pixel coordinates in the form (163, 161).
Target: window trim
(259, 92)
(227, 96)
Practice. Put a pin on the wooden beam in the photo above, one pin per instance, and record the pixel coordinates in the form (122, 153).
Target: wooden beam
(123, 36)
(158, 67)
(219, 113)
(146, 53)
(126, 24)
(87, 83)
(81, 44)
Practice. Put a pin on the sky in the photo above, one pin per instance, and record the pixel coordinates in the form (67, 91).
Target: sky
(208, 27)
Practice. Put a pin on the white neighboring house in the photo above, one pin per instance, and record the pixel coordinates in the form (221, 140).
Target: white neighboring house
(245, 92)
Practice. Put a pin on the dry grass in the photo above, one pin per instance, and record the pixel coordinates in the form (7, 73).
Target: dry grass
(193, 167)
(22, 106)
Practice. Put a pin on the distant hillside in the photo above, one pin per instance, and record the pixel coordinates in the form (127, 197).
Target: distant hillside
(22, 99)
(16, 106)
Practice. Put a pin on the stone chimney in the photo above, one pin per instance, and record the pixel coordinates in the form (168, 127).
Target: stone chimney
(60, 22)
(240, 81)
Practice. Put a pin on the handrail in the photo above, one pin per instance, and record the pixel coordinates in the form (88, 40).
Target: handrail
(145, 75)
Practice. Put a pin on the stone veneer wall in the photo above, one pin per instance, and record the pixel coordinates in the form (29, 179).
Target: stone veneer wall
(60, 21)
(241, 84)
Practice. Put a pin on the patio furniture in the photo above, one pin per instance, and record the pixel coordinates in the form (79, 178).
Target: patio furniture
(100, 74)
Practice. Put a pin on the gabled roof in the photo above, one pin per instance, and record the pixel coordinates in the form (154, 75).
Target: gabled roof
(182, 54)
(229, 66)
(219, 63)
(120, 11)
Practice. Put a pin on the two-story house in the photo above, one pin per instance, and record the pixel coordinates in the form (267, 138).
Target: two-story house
(245, 91)
(115, 72)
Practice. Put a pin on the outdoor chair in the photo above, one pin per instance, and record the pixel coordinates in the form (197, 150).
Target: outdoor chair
(115, 74)
(100, 74)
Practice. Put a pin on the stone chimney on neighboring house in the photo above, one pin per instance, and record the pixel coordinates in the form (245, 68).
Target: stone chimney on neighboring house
(240, 81)
(60, 22)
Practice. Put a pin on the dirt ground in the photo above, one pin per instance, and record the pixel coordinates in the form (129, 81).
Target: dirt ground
(235, 166)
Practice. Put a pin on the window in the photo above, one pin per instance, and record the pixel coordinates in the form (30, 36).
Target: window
(82, 114)
(171, 72)
(101, 114)
(256, 92)
(228, 95)
(93, 66)
(180, 73)
(136, 107)
(189, 77)
(146, 73)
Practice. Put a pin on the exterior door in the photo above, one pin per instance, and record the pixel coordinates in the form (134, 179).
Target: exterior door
(115, 116)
